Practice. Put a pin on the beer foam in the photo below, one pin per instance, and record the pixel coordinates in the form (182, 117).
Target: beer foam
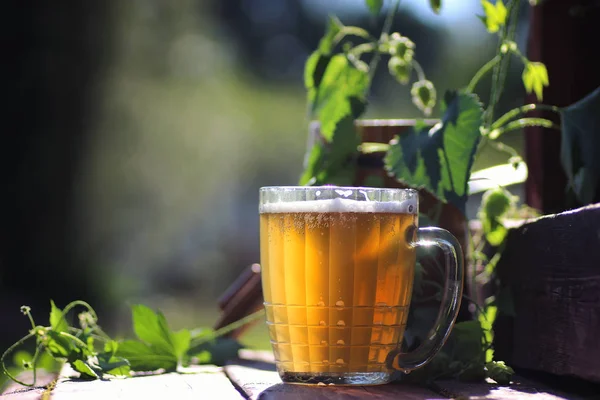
(408, 206)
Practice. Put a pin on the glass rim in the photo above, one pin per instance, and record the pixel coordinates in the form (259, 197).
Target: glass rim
(334, 187)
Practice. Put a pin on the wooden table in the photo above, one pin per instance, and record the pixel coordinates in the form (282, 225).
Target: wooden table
(253, 376)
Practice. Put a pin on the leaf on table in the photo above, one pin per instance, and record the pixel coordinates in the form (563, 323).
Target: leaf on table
(181, 342)
(580, 146)
(152, 328)
(57, 319)
(84, 369)
(440, 159)
(143, 357)
(500, 372)
(110, 363)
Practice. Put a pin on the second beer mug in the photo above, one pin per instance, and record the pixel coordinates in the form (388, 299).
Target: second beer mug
(337, 274)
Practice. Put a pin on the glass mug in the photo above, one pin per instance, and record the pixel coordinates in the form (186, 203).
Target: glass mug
(337, 274)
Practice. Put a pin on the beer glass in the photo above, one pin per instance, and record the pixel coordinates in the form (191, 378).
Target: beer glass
(337, 275)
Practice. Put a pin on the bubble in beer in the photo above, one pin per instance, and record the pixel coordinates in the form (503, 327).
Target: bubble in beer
(339, 303)
(323, 342)
(321, 304)
(322, 323)
(325, 361)
(339, 361)
(341, 342)
(341, 323)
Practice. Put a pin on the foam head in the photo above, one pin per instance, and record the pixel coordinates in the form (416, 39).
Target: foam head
(338, 205)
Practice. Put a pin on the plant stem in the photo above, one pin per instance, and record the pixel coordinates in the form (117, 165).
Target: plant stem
(481, 73)
(387, 25)
(522, 110)
(521, 123)
(504, 148)
(10, 350)
(500, 69)
(231, 327)
(419, 70)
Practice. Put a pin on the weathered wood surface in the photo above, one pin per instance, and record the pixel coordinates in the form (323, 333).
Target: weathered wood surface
(258, 380)
(253, 376)
(19, 392)
(207, 382)
(552, 267)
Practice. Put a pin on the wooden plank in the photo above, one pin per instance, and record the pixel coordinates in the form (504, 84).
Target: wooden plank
(15, 391)
(207, 382)
(260, 380)
(23, 394)
(520, 389)
(552, 267)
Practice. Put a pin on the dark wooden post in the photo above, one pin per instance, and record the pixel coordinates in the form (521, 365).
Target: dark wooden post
(564, 35)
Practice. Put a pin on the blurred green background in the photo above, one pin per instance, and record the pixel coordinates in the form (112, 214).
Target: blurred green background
(140, 132)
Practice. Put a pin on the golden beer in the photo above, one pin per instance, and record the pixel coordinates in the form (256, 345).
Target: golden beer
(337, 280)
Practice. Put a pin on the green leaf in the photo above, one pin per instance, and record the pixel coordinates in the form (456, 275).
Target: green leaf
(465, 342)
(327, 43)
(535, 78)
(495, 15)
(374, 6)
(435, 5)
(58, 345)
(495, 202)
(181, 342)
(500, 372)
(440, 159)
(57, 319)
(111, 364)
(220, 349)
(142, 357)
(151, 327)
(341, 85)
(339, 101)
(84, 369)
(494, 229)
(117, 366)
(580, 146)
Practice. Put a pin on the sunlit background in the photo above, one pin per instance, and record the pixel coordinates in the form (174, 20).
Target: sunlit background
(189, 108)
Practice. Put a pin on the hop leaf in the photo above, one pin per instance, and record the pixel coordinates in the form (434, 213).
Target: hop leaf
(495, 15)
(495, 203)
(535, 78)
(399, 69)
(500, 372)
(423, 96)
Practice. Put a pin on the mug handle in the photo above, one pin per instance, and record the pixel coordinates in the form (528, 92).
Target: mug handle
(451, 297)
